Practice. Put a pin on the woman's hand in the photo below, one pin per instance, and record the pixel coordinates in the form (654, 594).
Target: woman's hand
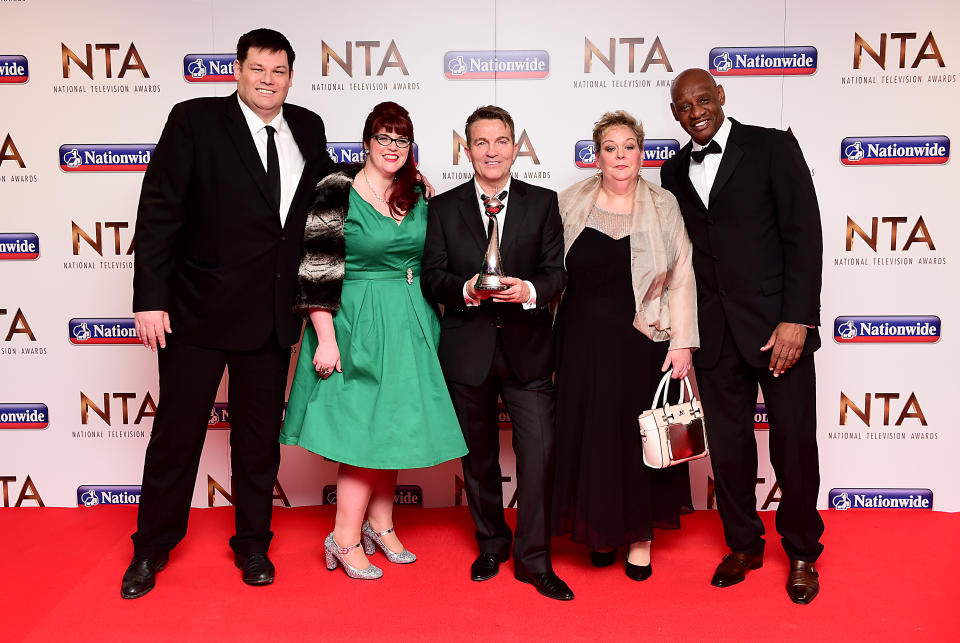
(680, 359)
(326, 358)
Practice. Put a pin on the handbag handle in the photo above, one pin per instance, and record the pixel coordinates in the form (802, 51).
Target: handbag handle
(662, 389)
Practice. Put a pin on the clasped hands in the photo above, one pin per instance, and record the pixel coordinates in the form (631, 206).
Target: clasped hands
(785, 346)
(517, 293)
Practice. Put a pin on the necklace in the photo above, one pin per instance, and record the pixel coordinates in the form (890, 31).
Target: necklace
(372, 191)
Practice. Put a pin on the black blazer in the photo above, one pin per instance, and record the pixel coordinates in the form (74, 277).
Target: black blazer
(210, 249)
(531, 248)
(758, 247)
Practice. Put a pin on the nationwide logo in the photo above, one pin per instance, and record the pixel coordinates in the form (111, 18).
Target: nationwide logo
(844, 499)
(19, 245)
(655, 152)
(105, 158)
(352, 152)
(760, 421)
(884, 329)
(219, 416)
(405, 494)
(763, 61)
(14, 70)
(86, 331)
(93, 495)
(895, 150)
(476, 65)
(209, 68)
(24, 416)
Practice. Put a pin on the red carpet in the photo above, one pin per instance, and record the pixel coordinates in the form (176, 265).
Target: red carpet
(885, 578)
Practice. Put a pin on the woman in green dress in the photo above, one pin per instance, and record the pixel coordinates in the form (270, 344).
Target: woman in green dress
(368, 391)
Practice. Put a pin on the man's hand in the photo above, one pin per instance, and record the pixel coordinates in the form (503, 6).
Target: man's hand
(429, 186)
(476, 295)
(787, 344)
(517, 293)
(150, 326)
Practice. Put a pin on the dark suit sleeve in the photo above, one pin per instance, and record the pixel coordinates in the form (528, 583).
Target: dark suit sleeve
(550, 277)
(798, 217)
(161, 212)
(438, 283)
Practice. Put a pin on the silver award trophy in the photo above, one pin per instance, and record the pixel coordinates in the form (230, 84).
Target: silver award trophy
(490, 271)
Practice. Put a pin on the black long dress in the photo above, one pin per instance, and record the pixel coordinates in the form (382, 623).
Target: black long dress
(607, 373)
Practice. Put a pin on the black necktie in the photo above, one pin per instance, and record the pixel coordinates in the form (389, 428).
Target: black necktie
(273, 165)
(492, 205)
(699, 155)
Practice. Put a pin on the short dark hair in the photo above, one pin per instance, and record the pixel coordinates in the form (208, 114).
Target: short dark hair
(266, 39)
(490, 112)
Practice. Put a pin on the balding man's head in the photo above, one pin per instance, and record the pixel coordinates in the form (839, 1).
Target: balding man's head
(697, 104)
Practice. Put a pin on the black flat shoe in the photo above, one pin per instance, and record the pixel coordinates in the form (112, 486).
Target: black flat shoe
(140, 576)
(487, 565)
(603, 558)
(547, 583)
(638, 572)
(257, 568)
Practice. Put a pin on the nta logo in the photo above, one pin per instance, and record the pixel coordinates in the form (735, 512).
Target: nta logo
(93, 495)
(208, 68)
(655, 152)
(883, 329)
(500, 64)
(131, 60)
(14, 70)
(928, 50)
(763, 61)
(656, 55)
(105, 157)
(895, 150)
(24, 416)
(391, 58)
(844, 499)
(88, 330)
(19, 245)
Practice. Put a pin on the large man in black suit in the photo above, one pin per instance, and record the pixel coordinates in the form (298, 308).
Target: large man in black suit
(500, 343)
(219, 228)
(751, 211)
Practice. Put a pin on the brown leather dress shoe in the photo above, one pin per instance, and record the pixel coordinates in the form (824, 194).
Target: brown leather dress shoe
(733, 568)
(803, 583)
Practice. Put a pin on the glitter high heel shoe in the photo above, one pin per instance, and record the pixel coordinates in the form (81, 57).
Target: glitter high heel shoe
(335, 552)
(370, 537)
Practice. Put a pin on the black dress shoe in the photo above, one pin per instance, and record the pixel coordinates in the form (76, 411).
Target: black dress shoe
(487, 565)
(547, 583)
(257, 568)
(638, 572)
(140, 576)
(603, 558)
(733, 568)
(803, 583)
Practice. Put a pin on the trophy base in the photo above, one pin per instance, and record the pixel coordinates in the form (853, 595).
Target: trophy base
(490, 285)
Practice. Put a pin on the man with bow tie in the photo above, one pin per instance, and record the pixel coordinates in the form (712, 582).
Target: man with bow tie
(751, 211)
(500, 342)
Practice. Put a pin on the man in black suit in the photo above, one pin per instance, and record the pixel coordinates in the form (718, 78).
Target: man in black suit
(751, 211)
(219, 228)
(500, 342)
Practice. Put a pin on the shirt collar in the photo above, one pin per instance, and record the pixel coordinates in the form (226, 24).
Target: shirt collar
(723, 133)
(255, 123)
(506, 187)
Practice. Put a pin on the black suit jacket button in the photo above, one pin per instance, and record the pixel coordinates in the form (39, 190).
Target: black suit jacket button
(723, 292)
(278, 275)
(716, 258)
(283, 237)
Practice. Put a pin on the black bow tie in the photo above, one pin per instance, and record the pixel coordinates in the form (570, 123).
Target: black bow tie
(699, 155)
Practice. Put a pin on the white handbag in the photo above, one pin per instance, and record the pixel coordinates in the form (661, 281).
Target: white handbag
(673, 434)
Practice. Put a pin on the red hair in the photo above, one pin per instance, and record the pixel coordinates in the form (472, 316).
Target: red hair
(391, 117)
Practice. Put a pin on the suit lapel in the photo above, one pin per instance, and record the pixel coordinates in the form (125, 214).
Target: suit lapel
(470, 211)
(682, 178)
(310, 160)
(239, 133)
(729, 161)
(516, 203)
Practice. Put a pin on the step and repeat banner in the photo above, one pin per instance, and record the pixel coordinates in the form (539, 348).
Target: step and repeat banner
(866, 87)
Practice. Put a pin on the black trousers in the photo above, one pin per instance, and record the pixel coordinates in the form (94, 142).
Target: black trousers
(531, 406)
(189, 379)
(729, 392)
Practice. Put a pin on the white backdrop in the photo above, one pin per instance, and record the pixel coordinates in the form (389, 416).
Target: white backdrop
(76, 414)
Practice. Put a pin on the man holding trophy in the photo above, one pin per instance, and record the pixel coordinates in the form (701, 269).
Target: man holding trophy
(496, 340)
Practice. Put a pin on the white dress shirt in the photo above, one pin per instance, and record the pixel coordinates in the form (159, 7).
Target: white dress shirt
(501, 218)
(291, 160)
(703, 174)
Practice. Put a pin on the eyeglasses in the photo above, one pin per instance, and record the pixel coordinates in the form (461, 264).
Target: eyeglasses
(385, 140)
